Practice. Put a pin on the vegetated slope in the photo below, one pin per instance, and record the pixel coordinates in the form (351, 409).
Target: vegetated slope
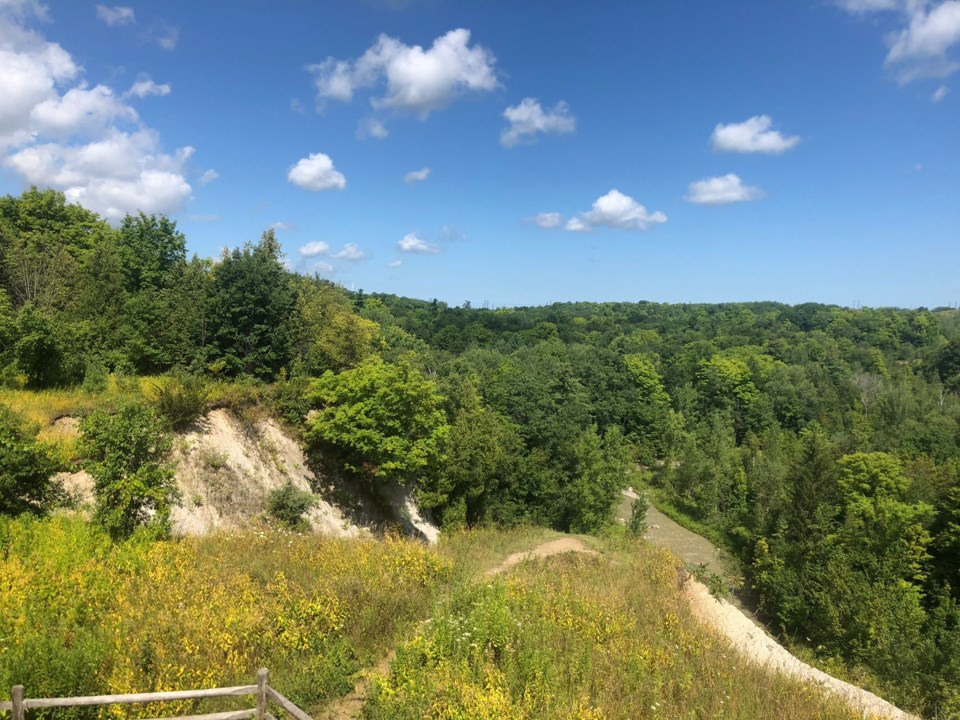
(83, 615)
(603, 635)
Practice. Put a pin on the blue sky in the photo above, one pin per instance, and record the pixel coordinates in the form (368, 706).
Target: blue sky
(676, 150)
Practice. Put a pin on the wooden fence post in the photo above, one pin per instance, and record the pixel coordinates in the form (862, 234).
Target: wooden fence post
(17, 696)
(261, 695)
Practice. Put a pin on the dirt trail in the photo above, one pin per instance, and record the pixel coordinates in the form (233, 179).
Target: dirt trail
(739, 627)
(551, 547)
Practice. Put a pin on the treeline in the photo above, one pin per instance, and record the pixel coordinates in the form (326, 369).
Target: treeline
(821, 441)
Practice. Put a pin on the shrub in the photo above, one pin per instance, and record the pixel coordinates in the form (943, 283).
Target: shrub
(289, 504)
(180, 398)
(637, 525)
(125, 451)
(25, 469)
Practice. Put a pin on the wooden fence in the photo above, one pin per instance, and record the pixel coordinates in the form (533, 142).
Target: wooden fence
(264, 694)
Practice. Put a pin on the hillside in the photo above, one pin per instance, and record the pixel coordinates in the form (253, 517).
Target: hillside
(608, 635)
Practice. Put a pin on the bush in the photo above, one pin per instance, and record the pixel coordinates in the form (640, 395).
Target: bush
(637, 525)
(288, 504)
(125, 452)
(25, 469)
(180, 398)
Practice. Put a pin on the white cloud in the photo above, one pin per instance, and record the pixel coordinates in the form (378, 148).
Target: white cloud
(371, 127)
(209, 176)
(350, 252)
(920, 49)
(86, 141)
(940, 93)
(117, 15)
(316, 173)
(314, 249)
(548, 220)
(722, 190)
(395, 263)
(616, 210)
(752, 136)
(204, 218)
(528, 118)
(164, 34)
(413, 244)
(323, 266)
(145, 87)
(417, 81)
(417, 175)
(284, 227)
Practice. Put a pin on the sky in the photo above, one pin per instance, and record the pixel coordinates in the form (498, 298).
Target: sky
(514, 153)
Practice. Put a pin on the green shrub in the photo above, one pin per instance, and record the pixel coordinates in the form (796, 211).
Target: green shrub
(25, 469)
(125, 451)
(288, 504)
(180, 398)
(637, 525)
(96, 377)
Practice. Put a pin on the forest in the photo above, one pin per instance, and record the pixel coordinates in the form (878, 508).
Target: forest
(818, 443)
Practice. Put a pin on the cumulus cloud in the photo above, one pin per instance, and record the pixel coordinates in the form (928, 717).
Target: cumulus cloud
(145, 87)
(921, 48)
(548, 220)
(417, 175)
(350, 252)
(209, 176)
(57, 131)
(164, 34)
(317, 173)
(616, 210)
(752, 136)
(395, 263)
(371, 127)
(117, 15)
(417, 81)
(411, 243)
(940, 93)
(528, 119)
(722, 190)
(314, 249)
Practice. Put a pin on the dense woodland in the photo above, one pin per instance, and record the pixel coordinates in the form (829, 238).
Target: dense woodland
(819, 442)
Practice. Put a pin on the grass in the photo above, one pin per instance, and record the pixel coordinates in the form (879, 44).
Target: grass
(80, 615)
(582, 638)
(573, 637)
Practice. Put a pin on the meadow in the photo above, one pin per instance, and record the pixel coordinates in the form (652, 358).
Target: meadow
(606, 636)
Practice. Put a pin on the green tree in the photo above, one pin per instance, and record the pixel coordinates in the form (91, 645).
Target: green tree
(125, 450)
(384, 420)
(252, 300)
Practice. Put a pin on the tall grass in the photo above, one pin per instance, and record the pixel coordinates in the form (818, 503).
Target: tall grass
(81, 615)
(581, 637)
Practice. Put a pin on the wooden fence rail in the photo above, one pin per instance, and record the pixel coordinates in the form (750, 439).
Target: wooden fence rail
(18, 704)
